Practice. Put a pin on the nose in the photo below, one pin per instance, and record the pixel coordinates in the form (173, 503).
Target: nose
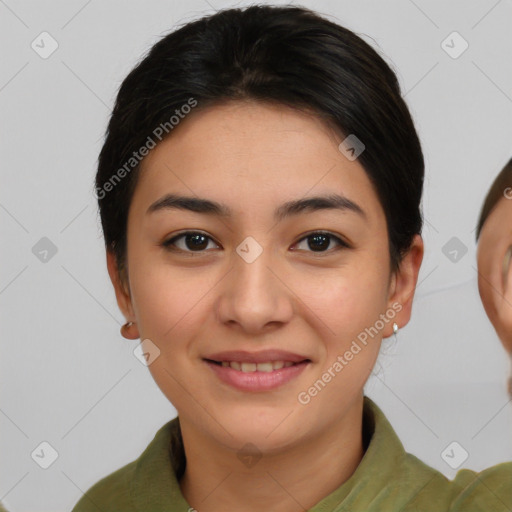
(255, 296)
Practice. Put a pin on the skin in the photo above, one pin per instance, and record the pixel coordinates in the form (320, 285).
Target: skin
(254, 157)
(495, 282)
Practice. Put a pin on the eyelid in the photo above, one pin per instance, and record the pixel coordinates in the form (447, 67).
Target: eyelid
(340, 241)
(169, 243)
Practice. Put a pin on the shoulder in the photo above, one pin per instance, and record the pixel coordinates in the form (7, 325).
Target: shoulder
(469, 491)
(421, 488)
(110, 493)
(140, 482)
(490, 489)
(398, 480)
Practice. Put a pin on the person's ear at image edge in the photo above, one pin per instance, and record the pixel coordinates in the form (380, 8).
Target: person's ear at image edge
(493, 255)
(123, 297)
(505, 304)
(495, 289)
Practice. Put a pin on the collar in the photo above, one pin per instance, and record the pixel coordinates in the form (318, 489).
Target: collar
(155, 482)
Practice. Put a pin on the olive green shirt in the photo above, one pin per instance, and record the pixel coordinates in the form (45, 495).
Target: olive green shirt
(386, 479)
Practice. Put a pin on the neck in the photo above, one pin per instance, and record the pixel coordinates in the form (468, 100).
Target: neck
(287, 481)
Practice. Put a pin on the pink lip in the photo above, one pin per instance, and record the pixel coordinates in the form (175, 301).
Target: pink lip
(256, 381)
(256, 357)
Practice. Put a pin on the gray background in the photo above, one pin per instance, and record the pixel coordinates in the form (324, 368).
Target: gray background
(70, 379)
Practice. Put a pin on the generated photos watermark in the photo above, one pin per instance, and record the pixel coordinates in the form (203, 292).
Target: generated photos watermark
(137, 156)
(304, 397)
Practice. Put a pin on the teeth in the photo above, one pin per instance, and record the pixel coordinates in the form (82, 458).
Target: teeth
(260, 367)
(248, 367)
(264, 367)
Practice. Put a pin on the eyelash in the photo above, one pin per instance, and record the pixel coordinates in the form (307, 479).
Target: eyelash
(169, 244)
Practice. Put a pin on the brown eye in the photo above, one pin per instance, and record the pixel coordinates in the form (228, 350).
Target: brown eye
(319, 241)
(190, 241)
(195, 241)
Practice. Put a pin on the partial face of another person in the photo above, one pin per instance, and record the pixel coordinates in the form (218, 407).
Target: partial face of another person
(495, 268)
(257, 275)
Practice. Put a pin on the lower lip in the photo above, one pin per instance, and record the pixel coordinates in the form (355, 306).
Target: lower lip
(257, 381)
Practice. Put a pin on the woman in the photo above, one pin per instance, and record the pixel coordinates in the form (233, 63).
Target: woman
(259, 191)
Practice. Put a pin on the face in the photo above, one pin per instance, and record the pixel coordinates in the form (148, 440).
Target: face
(259, 276)
(495, 269)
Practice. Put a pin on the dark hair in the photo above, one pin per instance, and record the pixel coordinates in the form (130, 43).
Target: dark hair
(286, 55)
(501, 183)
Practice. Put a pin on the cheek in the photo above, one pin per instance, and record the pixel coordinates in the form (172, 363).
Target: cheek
(346, 299)
(172, 303)
(166, 303)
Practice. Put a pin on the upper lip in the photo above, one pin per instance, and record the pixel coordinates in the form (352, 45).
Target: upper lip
(257, 357)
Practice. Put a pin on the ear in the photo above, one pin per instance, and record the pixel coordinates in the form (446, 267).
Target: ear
(121, 287)
(503, 300)
(403, 285)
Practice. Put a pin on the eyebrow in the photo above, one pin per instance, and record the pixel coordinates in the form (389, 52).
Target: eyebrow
(288, 209)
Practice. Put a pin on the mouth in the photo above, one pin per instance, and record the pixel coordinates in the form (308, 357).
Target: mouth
(251, 367)
(260, 372)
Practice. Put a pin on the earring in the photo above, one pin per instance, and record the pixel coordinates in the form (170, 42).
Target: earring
(395, 329)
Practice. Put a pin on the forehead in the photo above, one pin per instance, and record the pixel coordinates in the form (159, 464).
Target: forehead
(242, 152)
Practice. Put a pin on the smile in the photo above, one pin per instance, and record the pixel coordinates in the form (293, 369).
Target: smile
(268, 366)
(262, 376)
